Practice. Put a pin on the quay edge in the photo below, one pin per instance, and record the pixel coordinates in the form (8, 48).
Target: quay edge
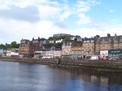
(93, 65)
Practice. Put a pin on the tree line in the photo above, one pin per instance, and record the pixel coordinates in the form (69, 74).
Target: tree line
(13, 44)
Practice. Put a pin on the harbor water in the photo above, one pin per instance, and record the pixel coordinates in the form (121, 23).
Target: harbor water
(15, 76)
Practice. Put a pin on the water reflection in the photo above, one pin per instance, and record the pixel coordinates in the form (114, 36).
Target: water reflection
(91, 81)
(34, 77)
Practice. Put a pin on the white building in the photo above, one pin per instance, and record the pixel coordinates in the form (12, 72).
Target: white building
(38, 54)
(47, 54)
(104, 54)
(59, 41)
(14, 52)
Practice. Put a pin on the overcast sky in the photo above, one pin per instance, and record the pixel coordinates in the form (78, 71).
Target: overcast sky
(43, 18)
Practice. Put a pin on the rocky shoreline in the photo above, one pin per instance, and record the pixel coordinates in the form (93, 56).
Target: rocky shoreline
(92, 65)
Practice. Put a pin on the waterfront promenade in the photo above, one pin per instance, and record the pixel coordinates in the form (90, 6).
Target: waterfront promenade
(93, 65)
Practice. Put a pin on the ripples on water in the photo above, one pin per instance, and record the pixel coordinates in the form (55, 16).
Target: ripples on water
(33, 77)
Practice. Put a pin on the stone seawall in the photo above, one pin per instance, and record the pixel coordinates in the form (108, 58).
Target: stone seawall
(93, 65)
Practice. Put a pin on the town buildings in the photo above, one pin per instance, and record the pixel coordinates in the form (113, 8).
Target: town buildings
(9, 52)
(66, 48)
(76, 46)
(24, 49)
(88, 46)
(27, 47)
(107, 43)
(94, 46)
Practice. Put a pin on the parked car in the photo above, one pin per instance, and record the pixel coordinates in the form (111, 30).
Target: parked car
(94, 57)
(76, 56)
(47, 56)
(113, 59)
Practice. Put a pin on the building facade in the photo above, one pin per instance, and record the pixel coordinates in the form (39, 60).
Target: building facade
(66, 48)
(84, 46)
(27, 47)
(24, 48)
(107, 43)
(89, 46)
(76, 50)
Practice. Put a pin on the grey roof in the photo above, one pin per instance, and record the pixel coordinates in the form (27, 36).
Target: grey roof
(88, 39)
(109, 39)
(24, 41)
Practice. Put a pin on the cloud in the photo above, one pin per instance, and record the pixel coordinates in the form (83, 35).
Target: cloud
(82, 7)
(17, 30)
(56, 12)
(98, 29)
(29, 13)
(84, 19)
(111, 11)
(61, 25)
(43, 18)
(23, 3)
(66, 12)
(49, 10)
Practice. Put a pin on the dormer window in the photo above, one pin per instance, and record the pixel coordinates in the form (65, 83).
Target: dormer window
(35, 41)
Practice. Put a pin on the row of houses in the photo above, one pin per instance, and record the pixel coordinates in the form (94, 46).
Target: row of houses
(84, 46)
(102, 46)
(11, 52)
(37, 46)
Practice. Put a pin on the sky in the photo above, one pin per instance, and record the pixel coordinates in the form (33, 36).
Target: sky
(25, 19)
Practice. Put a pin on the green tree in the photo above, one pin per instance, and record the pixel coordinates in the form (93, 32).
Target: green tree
(2, 46)
(51, 38)
(8, 45)
(42, 39)
(14, 44)
(67, 39)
